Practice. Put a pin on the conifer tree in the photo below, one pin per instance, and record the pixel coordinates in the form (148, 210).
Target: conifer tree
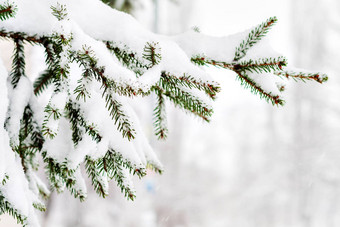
(92, 70)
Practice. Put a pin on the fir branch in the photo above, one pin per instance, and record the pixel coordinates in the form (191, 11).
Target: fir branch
(93, 172)
(35, 39)
(121, 161)
(39, 206)
(75, 118)
(81, 91)
(188, 102)
(71, 186)
(247, 82)
(254, 36)
(59, 11)
(5, 179)
(302, 76)
(61, 70)
(121, 119)
(210, 89)
(18, 64)
(74, 112)
(41, 83)
(43, 191)
(31, 128)
(52, 51)
(52, 114)
(152, 54)
(128, 58)
(188, 81)
(30, 140)
(7, 10)
(112, 165)
(6, 207)
(203, 61)
(263, 65)
(154, 167)
(91, 130)
(38, 188)
(89, 63)
(56, 173)
(184, 99)
(159, 113)
(53, 71)
(61, 176)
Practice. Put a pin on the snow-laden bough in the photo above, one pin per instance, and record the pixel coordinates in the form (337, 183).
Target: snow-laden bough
(94, 64)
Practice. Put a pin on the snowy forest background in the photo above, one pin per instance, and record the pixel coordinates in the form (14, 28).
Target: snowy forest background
(254, 164)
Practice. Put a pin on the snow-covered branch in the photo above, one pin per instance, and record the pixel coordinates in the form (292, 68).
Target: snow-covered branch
(94, 64)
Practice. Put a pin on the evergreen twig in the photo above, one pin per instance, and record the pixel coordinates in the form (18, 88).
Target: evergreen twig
(6, 207)
(18, 65)
(183, 98)
(254, 36)
(7, 10)
(247, 82)
(302, 76)
(160, 123)
(99, 183)
(127, 57)
(152, 54)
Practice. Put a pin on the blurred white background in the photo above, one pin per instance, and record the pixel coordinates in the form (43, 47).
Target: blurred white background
(254, 164)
